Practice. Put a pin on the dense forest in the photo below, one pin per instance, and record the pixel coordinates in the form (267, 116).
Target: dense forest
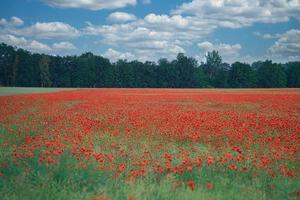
(19, 67)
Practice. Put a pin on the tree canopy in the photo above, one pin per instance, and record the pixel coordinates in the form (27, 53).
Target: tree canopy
(19, 67)
(242, 76)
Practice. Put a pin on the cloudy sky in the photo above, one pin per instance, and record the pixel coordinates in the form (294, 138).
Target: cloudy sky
(244, 30)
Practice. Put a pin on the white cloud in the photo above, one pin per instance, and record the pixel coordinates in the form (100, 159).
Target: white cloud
(153, 37)
(114, 55)
(165, 35)
(176, 20)
(267, 35)
(227, 51)
(61, 46)
(240, 13)
(90, 4)
(222, 48)
(121, 17)
(38, 46)
(16, 21)
(147, 43)
(12, 40)
(287, 47)
(3, 22)
(146, 1)
(39, 30)
(206, 46)
(21, 42)
(191, 23)
(48, 30)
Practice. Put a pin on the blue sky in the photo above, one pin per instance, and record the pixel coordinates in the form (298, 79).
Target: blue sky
(244, 30)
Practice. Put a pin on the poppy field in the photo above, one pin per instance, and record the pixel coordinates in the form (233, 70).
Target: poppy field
(151, 144)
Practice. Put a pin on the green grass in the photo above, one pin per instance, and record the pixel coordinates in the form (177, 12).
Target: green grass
(6, 91)
(29, 179)
(33, 180)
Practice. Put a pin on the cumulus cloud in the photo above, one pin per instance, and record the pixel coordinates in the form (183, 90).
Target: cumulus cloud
(153, 36)
(146, 1)
(176, 20)
(287, 47)
(222, 48)
(191, 23)
(61, 46)
(90, 4)
(14, 21)
(48, 30)
(164, 35)
(267, 35)
(27, 37)
(227, 51)
(12, 40)
(121, 17)
(38, 46)
(21, 42)
(240, 13)
(114, 55)
(147, 43)
(39, 30)
(3, 22)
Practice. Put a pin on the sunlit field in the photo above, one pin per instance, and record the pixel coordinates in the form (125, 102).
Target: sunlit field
(150, 144)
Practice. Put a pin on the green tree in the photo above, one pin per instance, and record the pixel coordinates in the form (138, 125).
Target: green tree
(104, 75)
(241, 75)
(271, 75)
(256, 65)
(28, 73)
(166, 73)
(124, 74)
(212, 66)
(44, 71)
(220, 79)
(293, 74)
(9, 61)
(84, 71)
(19, 67)
(184, 68)
(61, 71)
(13, 71)
(199, 78)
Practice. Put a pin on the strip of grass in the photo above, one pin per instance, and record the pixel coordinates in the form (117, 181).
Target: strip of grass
(7, 91)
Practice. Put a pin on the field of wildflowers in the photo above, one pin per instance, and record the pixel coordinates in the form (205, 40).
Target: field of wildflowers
(151, 144)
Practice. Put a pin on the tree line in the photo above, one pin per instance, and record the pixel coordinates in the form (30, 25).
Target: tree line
(19, 67)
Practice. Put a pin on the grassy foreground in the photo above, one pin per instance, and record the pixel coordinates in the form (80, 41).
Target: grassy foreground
(65, 182)
(31, 179)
